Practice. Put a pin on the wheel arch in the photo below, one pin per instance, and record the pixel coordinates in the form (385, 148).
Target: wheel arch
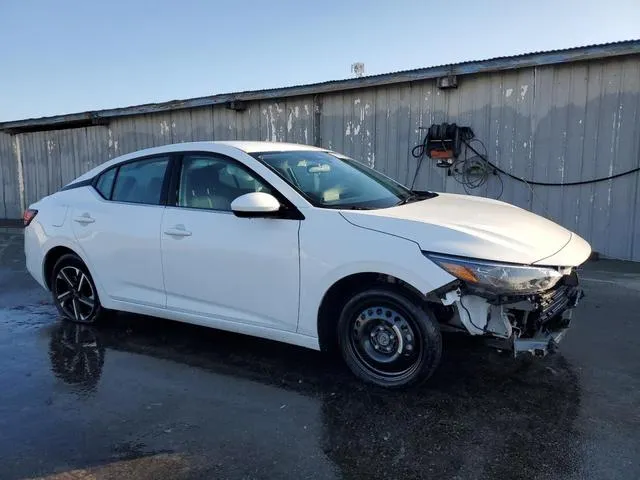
(338, 293)
(54, 253)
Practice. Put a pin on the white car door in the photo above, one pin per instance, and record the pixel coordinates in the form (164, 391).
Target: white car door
(222, 266)
(118, 229)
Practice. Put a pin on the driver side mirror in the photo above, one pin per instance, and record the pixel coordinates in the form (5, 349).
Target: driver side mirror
(255, 204)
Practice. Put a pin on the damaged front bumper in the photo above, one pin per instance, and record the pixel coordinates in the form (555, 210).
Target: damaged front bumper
(532, 324)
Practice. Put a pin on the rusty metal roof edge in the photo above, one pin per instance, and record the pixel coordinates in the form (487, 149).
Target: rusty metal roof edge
(590, 52)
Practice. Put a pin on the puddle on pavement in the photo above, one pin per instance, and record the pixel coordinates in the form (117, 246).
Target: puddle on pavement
(480, 414)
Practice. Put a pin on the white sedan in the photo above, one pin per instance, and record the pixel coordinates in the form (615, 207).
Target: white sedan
(306, 246)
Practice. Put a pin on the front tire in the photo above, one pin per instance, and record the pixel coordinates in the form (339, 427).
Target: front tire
(74, 292)
(387, 339)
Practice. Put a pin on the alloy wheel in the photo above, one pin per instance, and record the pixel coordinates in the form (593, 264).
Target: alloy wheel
(75, 294)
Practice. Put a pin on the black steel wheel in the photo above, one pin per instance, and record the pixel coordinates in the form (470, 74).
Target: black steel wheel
(74, 292)
(388, 340)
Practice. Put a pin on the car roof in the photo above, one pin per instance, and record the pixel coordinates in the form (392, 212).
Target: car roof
(213, 146)
(253, 146)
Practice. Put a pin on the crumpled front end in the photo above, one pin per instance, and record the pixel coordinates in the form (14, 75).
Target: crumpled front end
(531, 323)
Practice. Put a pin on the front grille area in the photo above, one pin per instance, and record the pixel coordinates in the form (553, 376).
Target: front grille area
(554, 302)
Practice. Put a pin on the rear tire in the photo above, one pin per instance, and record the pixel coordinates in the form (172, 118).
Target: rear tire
(74, 292)
(387, 339)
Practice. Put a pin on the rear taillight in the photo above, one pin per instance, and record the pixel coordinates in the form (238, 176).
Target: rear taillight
(28, 216)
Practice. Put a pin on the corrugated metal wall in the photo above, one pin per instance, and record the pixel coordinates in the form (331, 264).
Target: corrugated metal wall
(559, 123)
(10, 205)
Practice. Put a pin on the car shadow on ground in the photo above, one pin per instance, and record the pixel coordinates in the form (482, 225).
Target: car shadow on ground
(481, 414)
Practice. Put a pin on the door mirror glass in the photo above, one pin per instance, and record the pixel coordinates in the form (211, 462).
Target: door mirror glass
(255, 204)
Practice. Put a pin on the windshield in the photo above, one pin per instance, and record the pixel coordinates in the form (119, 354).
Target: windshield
(334, 181)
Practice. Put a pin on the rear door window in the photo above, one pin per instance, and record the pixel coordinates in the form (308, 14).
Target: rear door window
(105, 183)
(141, 181)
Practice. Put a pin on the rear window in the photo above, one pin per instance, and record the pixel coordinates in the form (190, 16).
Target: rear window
(105, 183)
(141, 181)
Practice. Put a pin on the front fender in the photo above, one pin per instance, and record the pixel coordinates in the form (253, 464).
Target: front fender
(326, 258)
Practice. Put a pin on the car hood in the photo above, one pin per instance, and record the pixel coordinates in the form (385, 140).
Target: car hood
(476, 227)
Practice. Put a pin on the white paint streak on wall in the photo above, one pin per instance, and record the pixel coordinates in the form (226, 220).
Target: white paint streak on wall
(306, 136)
(356, 130)
(270, 117)
(523, 91)
(509, 92)
(356, 101)
(164, 127)
(347, 132)
(306, 109)
(290, 121)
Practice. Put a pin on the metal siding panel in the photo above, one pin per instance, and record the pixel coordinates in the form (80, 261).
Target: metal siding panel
(507, 130)
(9, 182)
(439, 115)
(360, 127)
(42, 165)
(461, 102)
(348, 123)
(202, 124)
(274, 121)
(67, 150)
(492, 140)
(249, 123)
(429, 117)
(416, 136)
(54, 166)
(120, 138)
(575, 156)
(606, 152)
(28, 166)
(520, 161)
(381, 133)
(181, 126)
(557, 142)
(452, 108)
(299, 128)
(406, 170)
(98, 148)
(590, 149)
(543, 112)
(224, 123)
(392, 135)
(454, 103)
(82, 157)
(635, 235)
(625, 145)
(156, 130)
(332, 122)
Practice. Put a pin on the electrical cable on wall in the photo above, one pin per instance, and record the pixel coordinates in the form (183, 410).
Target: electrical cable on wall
(443, 143)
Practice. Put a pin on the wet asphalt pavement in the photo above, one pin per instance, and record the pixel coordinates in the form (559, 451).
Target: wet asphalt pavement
(147, 398)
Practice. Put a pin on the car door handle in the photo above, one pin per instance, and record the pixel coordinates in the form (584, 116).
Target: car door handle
(177, 232)
(84, 219)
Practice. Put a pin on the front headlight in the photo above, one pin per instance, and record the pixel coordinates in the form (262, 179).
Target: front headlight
(498, 277)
